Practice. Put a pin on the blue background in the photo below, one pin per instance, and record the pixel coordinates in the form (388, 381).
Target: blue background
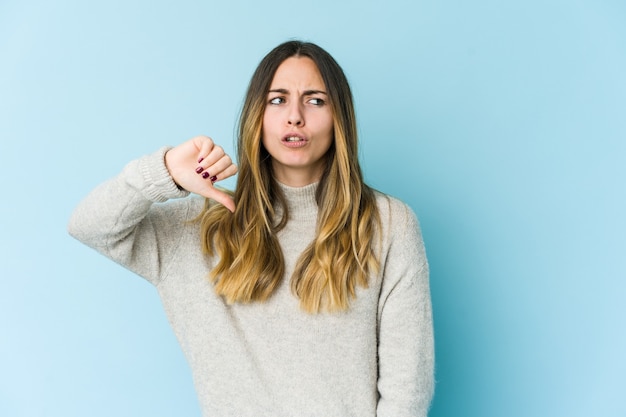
(502, 124)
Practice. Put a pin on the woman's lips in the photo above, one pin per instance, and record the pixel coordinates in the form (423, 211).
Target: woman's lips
(294, 140)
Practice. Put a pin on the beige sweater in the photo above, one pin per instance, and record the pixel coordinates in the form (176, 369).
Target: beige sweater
(271, 358)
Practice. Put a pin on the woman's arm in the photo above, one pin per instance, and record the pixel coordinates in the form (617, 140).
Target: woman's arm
(406, 341)
(120, 220)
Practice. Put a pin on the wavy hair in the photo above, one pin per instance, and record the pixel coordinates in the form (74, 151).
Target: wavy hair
(250, 261)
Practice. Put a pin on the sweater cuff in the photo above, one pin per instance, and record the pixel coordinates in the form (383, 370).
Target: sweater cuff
(159, 184)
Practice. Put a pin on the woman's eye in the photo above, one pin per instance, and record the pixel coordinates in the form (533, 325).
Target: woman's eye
(276, 100)
(316, 101)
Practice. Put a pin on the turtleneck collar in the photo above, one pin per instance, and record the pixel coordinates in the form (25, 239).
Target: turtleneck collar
(300, 200)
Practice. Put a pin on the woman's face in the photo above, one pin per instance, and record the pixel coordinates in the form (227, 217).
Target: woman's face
(298, 122)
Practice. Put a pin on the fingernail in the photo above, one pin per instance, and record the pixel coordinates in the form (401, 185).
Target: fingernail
(213, 178)
(199, 170)
(200, 160)
(205, 175)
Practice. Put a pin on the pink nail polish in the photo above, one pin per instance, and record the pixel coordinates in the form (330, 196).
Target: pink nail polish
(199, 170)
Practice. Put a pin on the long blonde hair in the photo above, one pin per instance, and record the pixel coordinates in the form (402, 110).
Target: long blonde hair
(342, 256)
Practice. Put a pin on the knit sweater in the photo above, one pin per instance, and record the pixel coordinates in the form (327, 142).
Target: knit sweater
(271, 358)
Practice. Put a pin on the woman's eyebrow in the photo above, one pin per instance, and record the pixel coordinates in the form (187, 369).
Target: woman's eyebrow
(311, 92)
(305, 93)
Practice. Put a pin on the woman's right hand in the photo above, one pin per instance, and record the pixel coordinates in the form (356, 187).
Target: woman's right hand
(196, 164)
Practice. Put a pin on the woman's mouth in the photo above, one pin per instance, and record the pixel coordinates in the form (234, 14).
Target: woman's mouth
(294, 141)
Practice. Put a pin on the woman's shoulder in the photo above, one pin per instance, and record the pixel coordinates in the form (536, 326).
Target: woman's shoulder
(389, 205)
(397, 217)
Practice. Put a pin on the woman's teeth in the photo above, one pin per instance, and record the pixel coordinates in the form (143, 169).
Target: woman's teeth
(294, 139)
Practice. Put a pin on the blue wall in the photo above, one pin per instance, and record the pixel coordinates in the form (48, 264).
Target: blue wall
(501, 123)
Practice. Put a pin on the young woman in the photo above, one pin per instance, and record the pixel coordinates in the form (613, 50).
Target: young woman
(304, 292)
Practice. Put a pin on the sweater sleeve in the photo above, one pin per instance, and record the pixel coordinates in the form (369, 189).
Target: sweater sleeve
(405, 339)
(120, 220)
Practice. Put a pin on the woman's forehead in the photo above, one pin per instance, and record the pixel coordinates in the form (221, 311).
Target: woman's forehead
(297, 73)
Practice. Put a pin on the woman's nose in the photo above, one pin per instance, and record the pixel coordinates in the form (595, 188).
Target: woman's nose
(295, 116)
